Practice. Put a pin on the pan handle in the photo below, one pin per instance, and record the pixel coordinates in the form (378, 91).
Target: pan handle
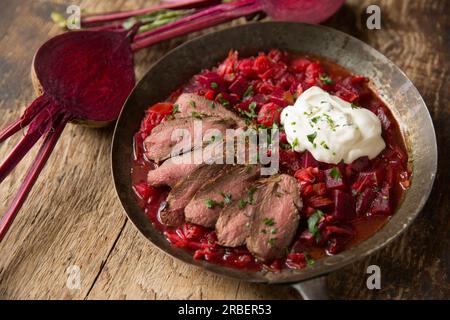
(314, 289)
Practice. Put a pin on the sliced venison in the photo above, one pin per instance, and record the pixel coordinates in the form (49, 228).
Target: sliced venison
(176, 168)
(164, 137)
(224, 189)
(190, 104)
(180, 195)
(234, 223)
(275, 218)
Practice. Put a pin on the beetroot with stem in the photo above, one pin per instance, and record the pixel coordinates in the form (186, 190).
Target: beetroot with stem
(310, 11)
(82, 77)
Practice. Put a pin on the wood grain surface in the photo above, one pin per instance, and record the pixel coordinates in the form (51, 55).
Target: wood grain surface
(73, 218)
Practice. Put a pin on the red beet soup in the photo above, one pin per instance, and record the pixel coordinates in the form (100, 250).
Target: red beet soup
(343, 204)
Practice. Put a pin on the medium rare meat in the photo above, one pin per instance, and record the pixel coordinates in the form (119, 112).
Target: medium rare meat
(159, 143)
(275, 218)
(224, 189)
(174, 169)
(233, 225)
(190, 104)
(184, 191)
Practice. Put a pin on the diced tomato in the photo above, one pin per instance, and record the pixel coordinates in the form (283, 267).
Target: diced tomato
(209, 94)
(154, 115)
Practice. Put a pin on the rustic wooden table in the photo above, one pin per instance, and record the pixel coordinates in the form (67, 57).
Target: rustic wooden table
(73, 218)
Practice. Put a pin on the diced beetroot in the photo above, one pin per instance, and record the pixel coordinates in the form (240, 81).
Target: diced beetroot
(245, 67)
(364, 200)
(300, 64)
(262, 64)
(278, 56)
(309, 161)
(283, 137)
(289, 160)
(278, 97)
(154, 115)
(334, 179)
(211, 80)
(337, 244)
(306, 175)
(306, 190)
(344, 206)
(360, 164)
(345, 93)
(376, 175)
(239, 86)
(269, 114)
(227, 67)
(296, 261)
(319, 201)
(319, 189)
(382, 203)
(343, 230)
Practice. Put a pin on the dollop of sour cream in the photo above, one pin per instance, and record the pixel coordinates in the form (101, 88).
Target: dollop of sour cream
(330, 128)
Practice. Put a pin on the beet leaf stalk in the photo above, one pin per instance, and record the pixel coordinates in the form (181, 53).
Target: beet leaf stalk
(102, 19)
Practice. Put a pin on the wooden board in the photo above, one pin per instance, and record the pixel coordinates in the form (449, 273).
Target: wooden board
(73, 217)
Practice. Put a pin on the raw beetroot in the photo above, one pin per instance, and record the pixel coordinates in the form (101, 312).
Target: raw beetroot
(82, 77)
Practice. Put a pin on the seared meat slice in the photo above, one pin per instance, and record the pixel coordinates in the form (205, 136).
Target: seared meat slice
(174, 169)
(276, 217)
(234, 223)
(190, 104)
(159, 143)
(184, 191)
(229, 186)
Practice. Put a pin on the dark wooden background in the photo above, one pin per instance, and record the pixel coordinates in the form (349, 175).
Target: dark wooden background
(72, 216)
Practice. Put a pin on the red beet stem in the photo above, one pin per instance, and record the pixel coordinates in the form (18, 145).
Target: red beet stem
(25, 119)
(40, 125)
(121, 15)
(32, 174)
(197, 21)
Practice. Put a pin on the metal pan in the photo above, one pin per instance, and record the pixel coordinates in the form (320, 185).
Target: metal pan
(389, 81)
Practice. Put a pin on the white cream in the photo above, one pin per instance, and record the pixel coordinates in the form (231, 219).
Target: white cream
(330, 128)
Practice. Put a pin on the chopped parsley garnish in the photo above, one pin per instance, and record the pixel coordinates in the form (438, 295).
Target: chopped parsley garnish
(214, 85)
(222, 100)
(335, 174)
(330, 122)
(315, 119)
(274, 231)
(313, 222)
(268, 221)
(226, 197)
(242, 203)
(251, 114)
(323, 144)
(192, 103)
(311, 137)
(355, 106)
(293, 123)
(210, 203)
(310, 261)
(212, 105)
(250, 194)
(248, 92)
(295, 142)
(175, 109)
(197, 115)
(325, 79)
